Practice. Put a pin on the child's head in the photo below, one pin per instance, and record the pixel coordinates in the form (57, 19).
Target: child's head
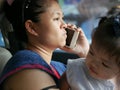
(103, 60)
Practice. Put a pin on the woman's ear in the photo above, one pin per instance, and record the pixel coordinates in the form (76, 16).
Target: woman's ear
(30, 27)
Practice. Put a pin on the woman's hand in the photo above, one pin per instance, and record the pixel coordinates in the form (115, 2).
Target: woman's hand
(82, 46)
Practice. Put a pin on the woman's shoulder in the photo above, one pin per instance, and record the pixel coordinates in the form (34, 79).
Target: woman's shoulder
(60, 67)
(28, 79)
(25, 54)
(24, 59)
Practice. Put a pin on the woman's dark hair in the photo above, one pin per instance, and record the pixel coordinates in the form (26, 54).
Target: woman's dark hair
(22, 10)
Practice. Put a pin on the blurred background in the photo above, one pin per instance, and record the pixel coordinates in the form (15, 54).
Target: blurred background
(86, 13)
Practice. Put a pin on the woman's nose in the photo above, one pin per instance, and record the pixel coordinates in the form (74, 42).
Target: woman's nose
(64, 25)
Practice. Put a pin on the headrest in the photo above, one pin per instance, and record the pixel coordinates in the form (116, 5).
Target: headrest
(10, 2)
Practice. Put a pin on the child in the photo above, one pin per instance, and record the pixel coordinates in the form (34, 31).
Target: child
(102, 62)
(115, 10)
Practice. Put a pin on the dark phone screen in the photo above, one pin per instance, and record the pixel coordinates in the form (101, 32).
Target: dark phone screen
(70, 34)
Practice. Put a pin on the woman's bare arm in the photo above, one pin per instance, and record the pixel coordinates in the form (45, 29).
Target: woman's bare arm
(29, 79)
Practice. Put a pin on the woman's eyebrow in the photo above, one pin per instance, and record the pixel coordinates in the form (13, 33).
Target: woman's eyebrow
(58, 13)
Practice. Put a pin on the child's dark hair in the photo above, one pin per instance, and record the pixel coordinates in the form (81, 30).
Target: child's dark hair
(107, 36)
(115, 9)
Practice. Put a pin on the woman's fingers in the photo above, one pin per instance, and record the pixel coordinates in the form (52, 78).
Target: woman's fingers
(71, 26)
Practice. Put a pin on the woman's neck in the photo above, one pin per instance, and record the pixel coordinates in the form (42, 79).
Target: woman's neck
(44, 52)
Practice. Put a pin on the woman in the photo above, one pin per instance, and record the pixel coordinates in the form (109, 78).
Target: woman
(40, 27)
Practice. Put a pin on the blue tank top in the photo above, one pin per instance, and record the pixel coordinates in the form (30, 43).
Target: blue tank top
(26, 59)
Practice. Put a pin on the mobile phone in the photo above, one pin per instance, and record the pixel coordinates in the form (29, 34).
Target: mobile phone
(72, 37)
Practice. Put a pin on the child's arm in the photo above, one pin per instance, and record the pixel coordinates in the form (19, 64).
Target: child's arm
(63, 83)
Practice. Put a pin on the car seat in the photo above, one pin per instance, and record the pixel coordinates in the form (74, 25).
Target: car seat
(63, 56)
(5, 55)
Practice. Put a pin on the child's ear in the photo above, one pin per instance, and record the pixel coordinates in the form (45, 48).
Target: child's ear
(29, 25)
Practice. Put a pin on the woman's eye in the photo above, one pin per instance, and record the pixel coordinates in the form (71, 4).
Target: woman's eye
(56, 18)
(105, 65)
(63, 18)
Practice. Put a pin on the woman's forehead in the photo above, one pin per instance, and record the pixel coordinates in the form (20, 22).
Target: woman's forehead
(55, 8)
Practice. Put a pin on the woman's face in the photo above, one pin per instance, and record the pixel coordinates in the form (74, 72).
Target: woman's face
(100, 64)
(51, 27)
